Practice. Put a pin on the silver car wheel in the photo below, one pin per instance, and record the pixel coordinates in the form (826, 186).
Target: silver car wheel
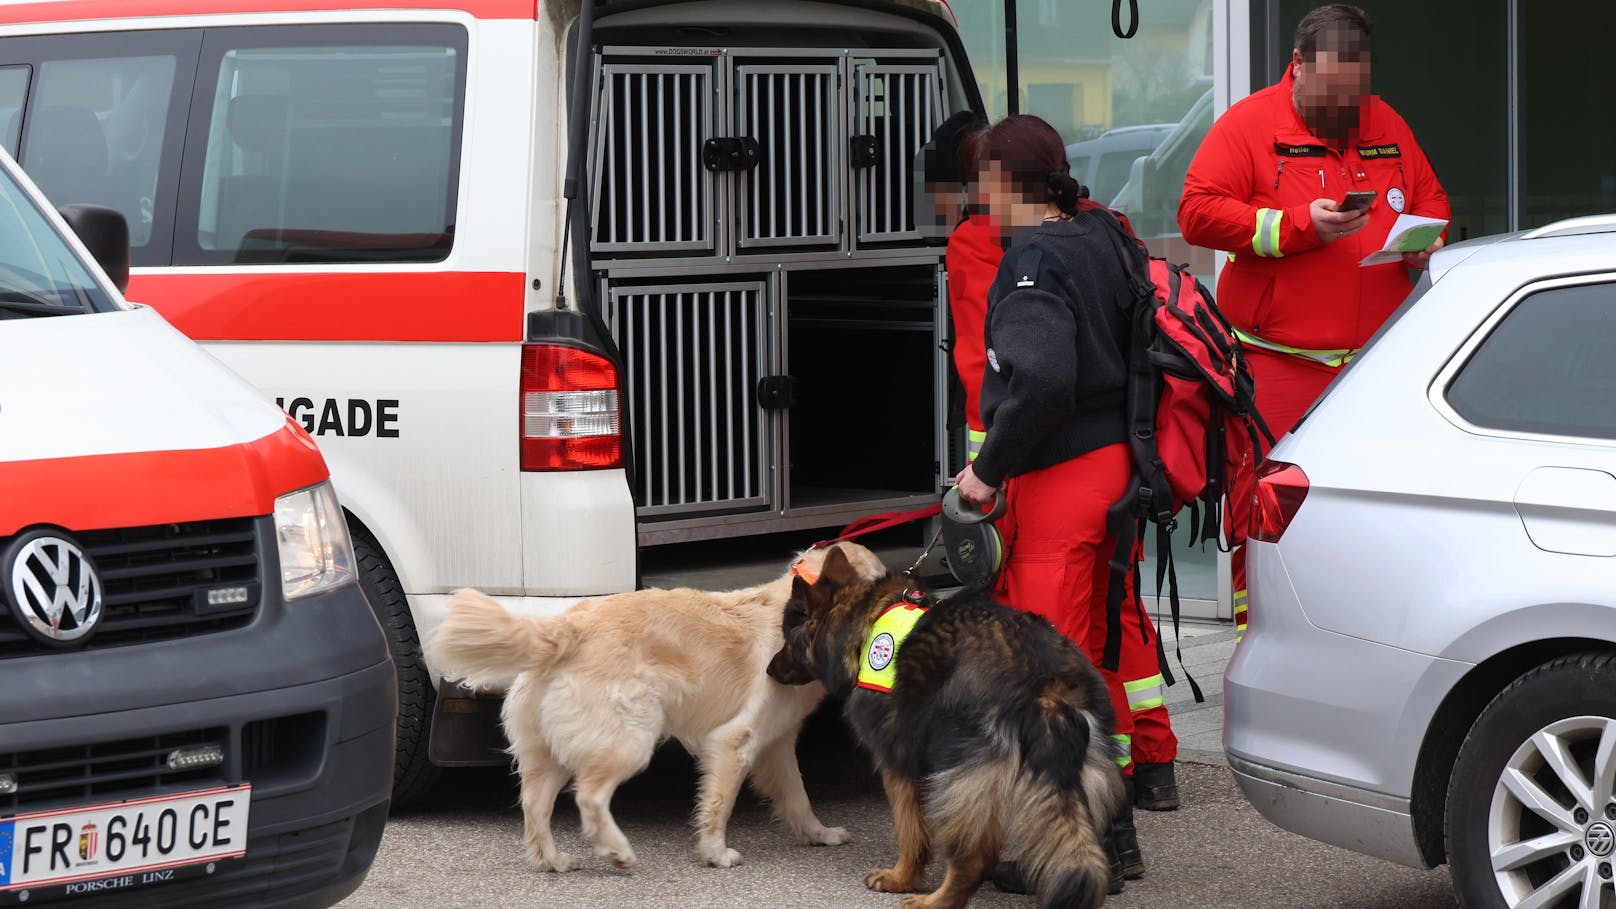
(1551, 828)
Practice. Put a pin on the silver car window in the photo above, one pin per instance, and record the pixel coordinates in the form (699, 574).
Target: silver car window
(1546, 368)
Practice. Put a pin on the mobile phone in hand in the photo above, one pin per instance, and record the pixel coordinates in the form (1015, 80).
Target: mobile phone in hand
(1357, 201)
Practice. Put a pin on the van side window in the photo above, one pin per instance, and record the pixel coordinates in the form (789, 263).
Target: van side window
(13, 92)
(325, 144)
(1546, 368)
(94, 133)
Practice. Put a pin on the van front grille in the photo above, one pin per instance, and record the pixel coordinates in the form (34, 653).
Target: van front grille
(154, 583)
(106, 771)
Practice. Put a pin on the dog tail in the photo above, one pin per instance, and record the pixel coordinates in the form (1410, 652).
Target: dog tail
(1064, 814)
(483, 645)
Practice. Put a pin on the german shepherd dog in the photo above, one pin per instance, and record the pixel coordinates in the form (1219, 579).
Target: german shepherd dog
(599, 686)
(994, 738)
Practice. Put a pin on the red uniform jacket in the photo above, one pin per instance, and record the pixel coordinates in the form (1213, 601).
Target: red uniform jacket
(973, 261)
(1248, 192)
(973, 257)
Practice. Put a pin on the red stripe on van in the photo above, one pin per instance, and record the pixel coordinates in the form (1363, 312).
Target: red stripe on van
(137, 489)
(267, 306)
(141, 9)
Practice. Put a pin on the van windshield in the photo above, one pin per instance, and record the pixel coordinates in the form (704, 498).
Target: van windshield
(39, 273)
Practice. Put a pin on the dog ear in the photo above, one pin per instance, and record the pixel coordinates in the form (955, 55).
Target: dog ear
(787, 669)
(837, 569)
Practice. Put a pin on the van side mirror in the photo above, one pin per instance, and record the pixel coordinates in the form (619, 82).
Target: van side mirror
(105, 233)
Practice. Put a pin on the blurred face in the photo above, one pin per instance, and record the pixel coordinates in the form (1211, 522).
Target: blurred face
(1009, 204)
(1331, 88)
(946, 204)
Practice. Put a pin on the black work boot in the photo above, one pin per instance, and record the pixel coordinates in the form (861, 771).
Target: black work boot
(1126, 839)
(1155, 787)
(1007, 876)
(1117, 881)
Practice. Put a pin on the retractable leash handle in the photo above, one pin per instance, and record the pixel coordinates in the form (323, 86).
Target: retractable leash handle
(955, 509)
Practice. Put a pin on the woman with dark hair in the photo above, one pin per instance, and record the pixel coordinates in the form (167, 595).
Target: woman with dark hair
(1053, 406)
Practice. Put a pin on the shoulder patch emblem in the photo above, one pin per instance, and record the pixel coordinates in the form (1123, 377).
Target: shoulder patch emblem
(993, 359)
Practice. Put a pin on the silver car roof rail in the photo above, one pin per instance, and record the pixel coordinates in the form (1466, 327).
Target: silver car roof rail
(1589, 224)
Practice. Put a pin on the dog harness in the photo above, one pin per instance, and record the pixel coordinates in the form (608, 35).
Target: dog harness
(878, 666)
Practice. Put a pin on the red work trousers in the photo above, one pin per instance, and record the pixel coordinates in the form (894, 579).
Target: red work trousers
(1286, 387)
(1059, 568)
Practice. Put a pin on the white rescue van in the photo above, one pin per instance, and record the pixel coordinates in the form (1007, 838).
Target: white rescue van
(196, 702)
(363, 211)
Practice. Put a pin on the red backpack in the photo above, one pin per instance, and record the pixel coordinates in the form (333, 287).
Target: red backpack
(1193, 427)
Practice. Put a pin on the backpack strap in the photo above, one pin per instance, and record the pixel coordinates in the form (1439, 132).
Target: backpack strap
(1120, 521)
(1164, 566)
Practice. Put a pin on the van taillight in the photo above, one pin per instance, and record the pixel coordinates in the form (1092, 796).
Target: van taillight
(1281, 487)
(570, 417)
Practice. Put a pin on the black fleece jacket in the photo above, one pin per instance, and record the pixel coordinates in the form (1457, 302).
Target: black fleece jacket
(1057, 334)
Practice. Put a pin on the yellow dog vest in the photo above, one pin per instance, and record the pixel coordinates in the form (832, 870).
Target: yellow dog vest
(878, 666)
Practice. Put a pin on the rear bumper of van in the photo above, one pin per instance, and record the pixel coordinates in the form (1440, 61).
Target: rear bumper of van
(318, 755)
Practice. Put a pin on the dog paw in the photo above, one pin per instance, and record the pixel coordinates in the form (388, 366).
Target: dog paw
(559, 861)
(621, 857)
(916, 902)
(827, 836)
(887, 880)
(724, 858)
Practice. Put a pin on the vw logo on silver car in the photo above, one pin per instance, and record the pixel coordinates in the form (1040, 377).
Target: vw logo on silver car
(1601, 840)
(53, 588)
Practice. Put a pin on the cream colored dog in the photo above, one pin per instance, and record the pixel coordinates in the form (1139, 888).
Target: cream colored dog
(598, 687)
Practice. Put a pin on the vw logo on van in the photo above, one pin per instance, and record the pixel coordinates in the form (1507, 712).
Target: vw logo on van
(53, 588)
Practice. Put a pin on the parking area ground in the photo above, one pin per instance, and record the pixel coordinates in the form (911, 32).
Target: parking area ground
(462, 848)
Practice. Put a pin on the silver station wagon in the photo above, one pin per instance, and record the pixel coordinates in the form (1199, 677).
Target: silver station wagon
(1429, 675)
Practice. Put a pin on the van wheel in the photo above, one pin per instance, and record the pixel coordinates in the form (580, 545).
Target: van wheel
(1531, 817)
(413, 772)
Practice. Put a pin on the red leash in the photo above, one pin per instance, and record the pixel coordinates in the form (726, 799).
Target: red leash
(872, 523)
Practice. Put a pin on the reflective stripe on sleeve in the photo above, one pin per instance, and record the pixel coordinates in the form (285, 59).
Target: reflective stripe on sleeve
(1333, 358)
(973, 443)
(1265, 240)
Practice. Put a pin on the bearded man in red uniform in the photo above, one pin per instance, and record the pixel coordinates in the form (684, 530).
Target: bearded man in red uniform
(1267, 186)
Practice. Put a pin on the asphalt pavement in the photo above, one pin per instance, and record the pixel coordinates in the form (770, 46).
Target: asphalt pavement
(462, 848)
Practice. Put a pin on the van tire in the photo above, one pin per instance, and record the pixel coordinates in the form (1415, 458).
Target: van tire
(413, 771)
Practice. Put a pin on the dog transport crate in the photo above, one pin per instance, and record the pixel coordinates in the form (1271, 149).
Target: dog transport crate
(780, 319)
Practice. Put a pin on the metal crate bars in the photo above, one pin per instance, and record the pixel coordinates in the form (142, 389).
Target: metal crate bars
(694, 354)
(836, 134)
(793, 198)
(650, 191)
(899, 106)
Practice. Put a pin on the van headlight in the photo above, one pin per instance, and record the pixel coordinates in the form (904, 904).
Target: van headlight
(316, 554)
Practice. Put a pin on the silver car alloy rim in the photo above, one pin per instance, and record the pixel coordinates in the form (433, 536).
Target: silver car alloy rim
(1551, 829)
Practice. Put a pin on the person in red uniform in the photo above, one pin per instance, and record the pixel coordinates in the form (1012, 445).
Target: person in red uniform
(1055, 341)
(975, 250)
(1267, 187)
